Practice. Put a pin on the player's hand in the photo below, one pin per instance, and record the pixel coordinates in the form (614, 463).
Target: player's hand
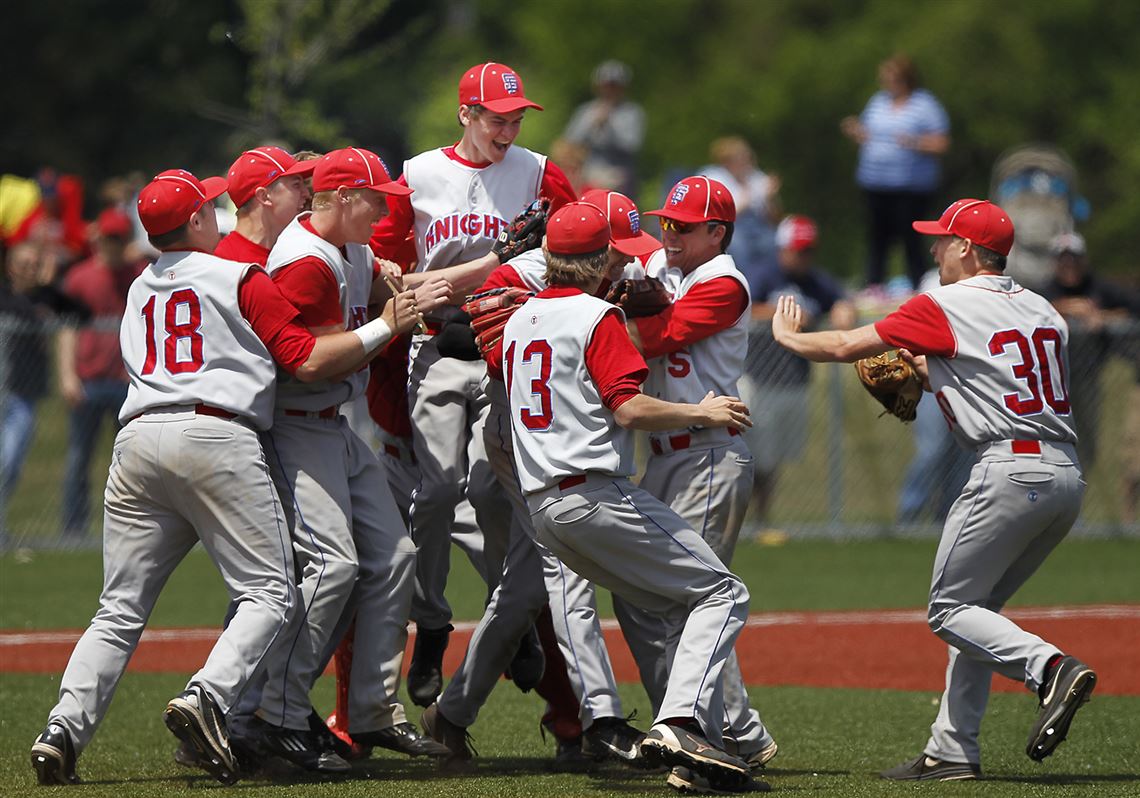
(391, 271)
(918, 363)
(402, 312)
(788, 318)
(725, 411)
(432, 293)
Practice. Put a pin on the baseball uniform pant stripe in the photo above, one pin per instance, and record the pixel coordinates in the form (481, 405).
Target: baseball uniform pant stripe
(708, 668)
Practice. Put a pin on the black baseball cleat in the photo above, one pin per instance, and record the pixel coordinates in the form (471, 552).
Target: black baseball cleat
(926, 768)
(455, 738)
(402, 738)
(194, 718)
(425, 673)
(679, 746)
(1067, 690)
(528, 664)
(686, 780)
(301, 748)
(613, 738)
(185, 755)
(53, 757)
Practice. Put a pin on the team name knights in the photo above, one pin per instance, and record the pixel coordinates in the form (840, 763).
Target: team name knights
(462, 224)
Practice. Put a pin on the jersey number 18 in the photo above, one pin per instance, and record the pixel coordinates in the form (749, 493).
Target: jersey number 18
(175, 331)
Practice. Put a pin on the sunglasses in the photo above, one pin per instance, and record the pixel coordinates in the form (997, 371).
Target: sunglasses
(684, 228)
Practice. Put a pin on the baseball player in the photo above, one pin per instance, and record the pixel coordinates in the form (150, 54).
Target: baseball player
(994, 355)
(465, 195)
(268, 187)
(573, 380)
(353, 552)
(573, 613)
(199, 341)
(704, 475)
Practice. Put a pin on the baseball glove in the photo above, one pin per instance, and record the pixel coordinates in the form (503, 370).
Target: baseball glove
(639, 298)
(490, 310)
(524, 233)
(893, 382)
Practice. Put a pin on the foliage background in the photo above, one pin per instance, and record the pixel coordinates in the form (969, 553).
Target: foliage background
(103, 87)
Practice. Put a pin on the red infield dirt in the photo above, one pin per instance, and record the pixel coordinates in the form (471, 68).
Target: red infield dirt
(890, 649)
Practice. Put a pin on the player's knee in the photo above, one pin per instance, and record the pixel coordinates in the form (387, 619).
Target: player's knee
(340, 573)
(936, 615)
(434, 496)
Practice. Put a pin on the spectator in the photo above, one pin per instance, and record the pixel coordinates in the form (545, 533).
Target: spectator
(901, 133)
(757, 197)
(940, 466)
(775, 380)
(612, 128)
(91, 375)
(27, 306)
(1089, 305)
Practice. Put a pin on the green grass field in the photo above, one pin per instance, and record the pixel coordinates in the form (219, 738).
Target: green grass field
(832, 741)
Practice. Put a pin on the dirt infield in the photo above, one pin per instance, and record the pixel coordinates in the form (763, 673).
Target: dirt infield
(890, 649)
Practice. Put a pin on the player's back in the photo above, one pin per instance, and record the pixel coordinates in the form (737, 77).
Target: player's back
(1008, 376)
(561, 426)
(185, 341)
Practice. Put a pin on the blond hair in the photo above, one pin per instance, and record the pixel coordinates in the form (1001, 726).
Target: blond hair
(576, 270)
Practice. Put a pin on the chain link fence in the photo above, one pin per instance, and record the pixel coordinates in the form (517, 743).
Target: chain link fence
(827, 464)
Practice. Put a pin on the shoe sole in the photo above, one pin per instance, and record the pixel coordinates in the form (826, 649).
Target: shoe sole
(694, 786)
(1047, 736)
(720, 775)
(47, 761)
(185, 722)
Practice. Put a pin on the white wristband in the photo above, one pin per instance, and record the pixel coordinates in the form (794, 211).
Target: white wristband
(373, 335)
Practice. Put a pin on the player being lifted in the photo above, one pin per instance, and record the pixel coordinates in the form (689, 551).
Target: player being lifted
(995, 356)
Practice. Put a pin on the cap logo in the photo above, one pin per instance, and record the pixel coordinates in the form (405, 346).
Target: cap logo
(679, 192)
(510, 82)
(634, 222)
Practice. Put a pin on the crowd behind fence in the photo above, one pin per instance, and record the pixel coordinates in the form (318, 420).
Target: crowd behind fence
(827, 464)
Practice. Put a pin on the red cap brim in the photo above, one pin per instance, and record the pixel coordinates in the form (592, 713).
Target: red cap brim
(930, 228)
(508, 104)
(214, 187)
(392, 187)
(636, 246)
(301, 168)
(679, 216)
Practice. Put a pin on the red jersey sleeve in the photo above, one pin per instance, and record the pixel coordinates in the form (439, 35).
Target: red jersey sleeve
(921, 326)
(390, 233)
(556, 186)
(276, 322)
(614, 363)
(504, 276)
(310, 286)
(707, 309)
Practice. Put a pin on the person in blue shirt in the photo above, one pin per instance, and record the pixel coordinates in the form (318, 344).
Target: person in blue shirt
(901, 134)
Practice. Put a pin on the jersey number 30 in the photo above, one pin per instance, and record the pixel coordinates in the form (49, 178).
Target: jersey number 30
(1036, 370)
(175, 331)
(540, 387)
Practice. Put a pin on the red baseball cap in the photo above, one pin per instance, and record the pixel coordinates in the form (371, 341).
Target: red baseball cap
(626, 234)
(173, 196)
(353, 167)
(796, 233)
(496, 87)
(576, 229)
(259, 167)
(113, 223)
(698, 199)
(980, 221)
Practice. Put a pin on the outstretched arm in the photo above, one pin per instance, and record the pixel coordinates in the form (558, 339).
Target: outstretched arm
(844, 346)
(656, 415)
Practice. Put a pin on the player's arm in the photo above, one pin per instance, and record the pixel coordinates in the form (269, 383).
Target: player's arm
(618, 369)
(824, 346)
(704, 311)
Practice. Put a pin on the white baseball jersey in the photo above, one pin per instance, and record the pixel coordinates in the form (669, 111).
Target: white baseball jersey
(459, 209)
(561, 427)
(997, 356)
(530, 266)
(354, 276)
(711, 364)
(185, 342)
